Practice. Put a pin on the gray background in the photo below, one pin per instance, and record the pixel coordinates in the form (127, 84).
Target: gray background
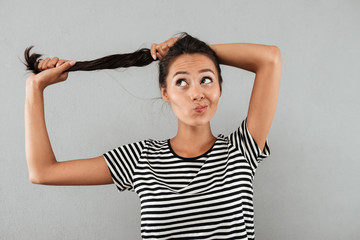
(307, 189)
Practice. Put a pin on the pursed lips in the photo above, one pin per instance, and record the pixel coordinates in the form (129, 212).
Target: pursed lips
(201, 108)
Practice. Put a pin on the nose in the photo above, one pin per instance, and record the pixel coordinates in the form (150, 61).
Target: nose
(196, 92)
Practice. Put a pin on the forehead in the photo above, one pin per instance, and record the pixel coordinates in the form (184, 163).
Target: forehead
(191, 62)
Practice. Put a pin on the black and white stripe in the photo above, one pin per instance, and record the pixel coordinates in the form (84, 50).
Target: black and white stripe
(207, 197)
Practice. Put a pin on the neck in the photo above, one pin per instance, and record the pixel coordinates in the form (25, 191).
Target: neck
(193, 138)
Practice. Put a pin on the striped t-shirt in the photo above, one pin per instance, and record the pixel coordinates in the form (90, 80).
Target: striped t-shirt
(205, 197)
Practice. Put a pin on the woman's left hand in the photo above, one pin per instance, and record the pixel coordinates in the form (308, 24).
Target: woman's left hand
(160, 50)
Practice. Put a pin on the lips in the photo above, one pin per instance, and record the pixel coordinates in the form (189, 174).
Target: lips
(201, 108)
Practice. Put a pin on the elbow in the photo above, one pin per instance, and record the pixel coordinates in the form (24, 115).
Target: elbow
(39, 173)
(34, 179)
(272, 59)
(33, 174)
(275, 56)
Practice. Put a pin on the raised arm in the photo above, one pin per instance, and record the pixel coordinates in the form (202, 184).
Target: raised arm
(265, 61)
(42, 165)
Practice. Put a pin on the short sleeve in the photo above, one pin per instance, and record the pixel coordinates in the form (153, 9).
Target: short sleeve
(244, 142)
(122, 162)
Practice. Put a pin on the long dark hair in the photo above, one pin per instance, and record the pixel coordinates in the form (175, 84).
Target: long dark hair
(186, 44)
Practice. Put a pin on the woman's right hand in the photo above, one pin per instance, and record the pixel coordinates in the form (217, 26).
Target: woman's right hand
(52, 71)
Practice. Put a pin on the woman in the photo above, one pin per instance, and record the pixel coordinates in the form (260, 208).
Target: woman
(194, 185)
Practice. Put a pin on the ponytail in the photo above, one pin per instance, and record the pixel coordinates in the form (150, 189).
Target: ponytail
(186, 44)
(139, 58)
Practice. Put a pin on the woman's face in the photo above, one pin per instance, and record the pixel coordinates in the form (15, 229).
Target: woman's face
(192, 89)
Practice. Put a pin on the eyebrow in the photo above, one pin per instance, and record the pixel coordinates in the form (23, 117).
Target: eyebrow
(201, 71)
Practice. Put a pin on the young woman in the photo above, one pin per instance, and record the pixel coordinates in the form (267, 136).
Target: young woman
(194, 185)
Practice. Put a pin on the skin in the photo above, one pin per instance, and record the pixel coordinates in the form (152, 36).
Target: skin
(194, 134)
(42, 165)
(187, 90)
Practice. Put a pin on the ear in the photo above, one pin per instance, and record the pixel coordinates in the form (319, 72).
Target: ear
(164, 94)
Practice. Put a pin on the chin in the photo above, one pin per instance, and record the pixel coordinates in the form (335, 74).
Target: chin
(196, 120)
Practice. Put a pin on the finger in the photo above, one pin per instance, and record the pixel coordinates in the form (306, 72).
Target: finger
(168, 42)
(46, 60)
(164, 50)
(161, 49)
(60, 62)
(40, 64)
(44, 65)
(159, 55)
(52, 62)
(65, 66)
(172, 41)
(153, 51)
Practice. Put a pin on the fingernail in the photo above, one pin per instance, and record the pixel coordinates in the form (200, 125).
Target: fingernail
(57, 65)
(154, 56)
(72, 63)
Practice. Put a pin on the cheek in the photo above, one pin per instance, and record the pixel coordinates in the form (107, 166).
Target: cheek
(177, 101)
(174, 99)
(215, 96)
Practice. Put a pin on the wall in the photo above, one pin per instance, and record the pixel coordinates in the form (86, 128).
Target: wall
(308, 187)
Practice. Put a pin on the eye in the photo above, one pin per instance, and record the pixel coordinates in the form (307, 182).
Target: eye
(206, 80)
(180, 82)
